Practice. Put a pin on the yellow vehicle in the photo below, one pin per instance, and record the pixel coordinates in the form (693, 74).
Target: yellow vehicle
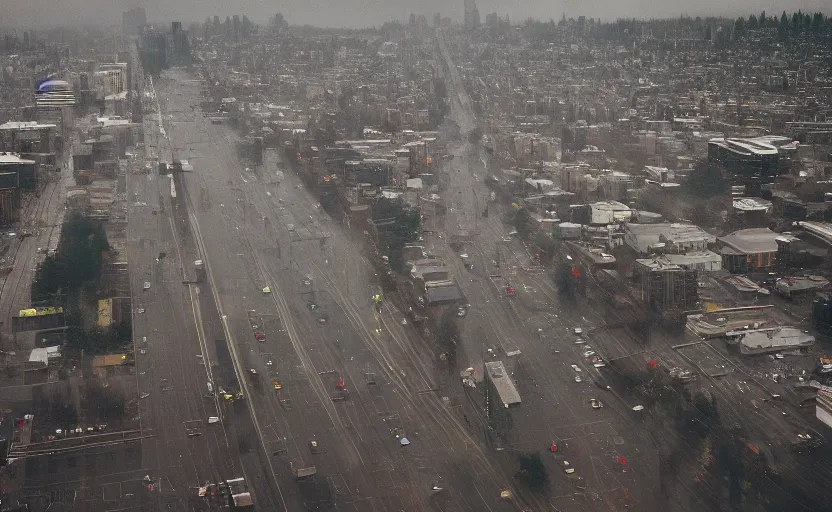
(41, 311)
(276, 384)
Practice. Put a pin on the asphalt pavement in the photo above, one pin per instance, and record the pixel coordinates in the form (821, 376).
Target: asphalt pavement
(243, 217)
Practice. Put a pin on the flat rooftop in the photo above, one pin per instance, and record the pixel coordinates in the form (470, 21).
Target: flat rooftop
(445, 294)
(692, 258)
(762, 341)
(25, 125)
(674, 231)
(14, 158)
(496, 372)
(751, 241)
(748, 147)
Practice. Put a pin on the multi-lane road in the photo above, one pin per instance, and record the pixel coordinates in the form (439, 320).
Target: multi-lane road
(540, 325)
(255, 231)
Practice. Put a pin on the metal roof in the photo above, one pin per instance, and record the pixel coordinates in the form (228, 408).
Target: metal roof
(773, 340)
(444, 294)
(751, 241)
(496, 372)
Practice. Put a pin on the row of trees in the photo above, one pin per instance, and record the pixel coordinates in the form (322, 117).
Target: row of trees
(399, 225)
(77, 261)
(798, 23)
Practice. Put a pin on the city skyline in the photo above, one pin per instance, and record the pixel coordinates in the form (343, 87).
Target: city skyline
(365, 13)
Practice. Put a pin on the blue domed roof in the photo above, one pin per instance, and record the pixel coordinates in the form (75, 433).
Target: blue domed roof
(53, 85)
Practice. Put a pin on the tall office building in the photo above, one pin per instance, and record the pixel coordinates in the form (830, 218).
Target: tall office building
(133, 21)
(472, 15)
(180, 51)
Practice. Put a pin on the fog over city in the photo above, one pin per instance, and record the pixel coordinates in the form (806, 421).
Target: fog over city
(422, 256)
(362, 13)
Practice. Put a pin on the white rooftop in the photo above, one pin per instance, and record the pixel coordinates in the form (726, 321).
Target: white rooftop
(13, 158)
(117, 96)
(25, 125)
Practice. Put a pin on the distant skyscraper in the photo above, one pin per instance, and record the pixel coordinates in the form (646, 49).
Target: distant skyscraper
(472, 15)
(133, 21)
(437, 20)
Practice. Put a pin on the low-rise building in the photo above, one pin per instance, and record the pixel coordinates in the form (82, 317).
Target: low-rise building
(27, 137)
(499, 379)
(775, 339)
(701, 261)
(19, 170)
(747, 250)
(609, 212)
(669, 237)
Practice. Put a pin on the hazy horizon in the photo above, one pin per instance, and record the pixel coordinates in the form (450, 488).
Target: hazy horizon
(366, 13)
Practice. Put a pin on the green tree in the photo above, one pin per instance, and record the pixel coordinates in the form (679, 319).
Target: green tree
(77, 261)
(797, 22)
(783, 27)
(739, 27)
(533, 472)
(817, 22)
(397, 225)
(278, 24)
(104, 404)
(706, 181)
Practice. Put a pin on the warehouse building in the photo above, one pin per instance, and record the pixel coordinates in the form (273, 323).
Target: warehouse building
(500, 381)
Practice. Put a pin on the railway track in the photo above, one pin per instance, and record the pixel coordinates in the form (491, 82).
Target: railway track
(43, 208)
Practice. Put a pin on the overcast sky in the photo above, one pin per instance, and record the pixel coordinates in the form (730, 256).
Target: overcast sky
(358, 13)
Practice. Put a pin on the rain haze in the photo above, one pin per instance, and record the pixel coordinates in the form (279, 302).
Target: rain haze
(421, 255)
(362, 13)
